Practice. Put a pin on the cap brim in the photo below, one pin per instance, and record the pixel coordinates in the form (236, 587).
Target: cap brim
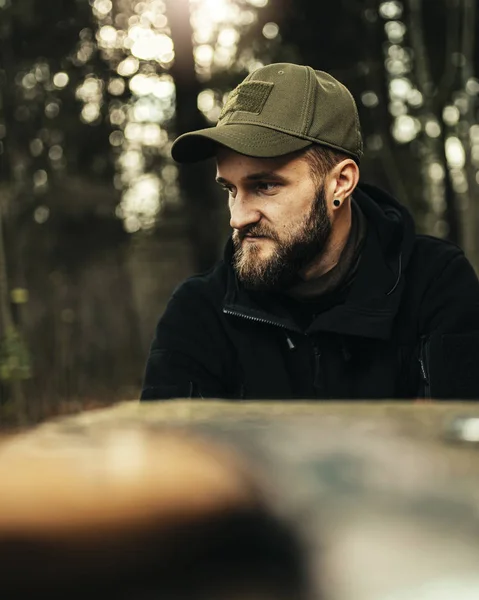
(251, 140)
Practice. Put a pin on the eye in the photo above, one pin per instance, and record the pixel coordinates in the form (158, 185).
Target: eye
(267, 187)
(229, 190)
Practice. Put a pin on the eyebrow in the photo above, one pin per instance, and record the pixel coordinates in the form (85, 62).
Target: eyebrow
(261, 176)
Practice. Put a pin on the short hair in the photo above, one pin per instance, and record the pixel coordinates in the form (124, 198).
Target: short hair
(322, 159)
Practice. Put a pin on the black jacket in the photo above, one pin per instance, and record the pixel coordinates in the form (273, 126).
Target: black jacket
(408, 326)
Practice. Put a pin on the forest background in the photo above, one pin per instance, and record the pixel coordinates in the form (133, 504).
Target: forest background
(98, 225)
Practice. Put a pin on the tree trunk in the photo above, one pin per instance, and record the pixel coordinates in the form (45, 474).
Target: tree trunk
(195, 182)
(470, 216)
(8, 328)
(432, 146)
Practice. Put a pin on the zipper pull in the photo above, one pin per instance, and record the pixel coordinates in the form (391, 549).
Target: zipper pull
(424, 364)
(290, 343)
(318, 382)
(423, 370)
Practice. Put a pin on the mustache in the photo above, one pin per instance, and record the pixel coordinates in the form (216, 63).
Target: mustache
(256, 230)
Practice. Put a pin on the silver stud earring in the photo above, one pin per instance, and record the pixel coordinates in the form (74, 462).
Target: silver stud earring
(337, 202)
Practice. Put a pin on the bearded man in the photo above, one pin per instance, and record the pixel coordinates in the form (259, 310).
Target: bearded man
(325, 290)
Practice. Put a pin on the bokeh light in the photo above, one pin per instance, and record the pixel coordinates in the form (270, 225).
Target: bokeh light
(90, 112)
(135, 39)
(369, 99)
(41, 214)
(128, 67)
(400, 87)
(116, 86)
(436, 171)
(270, 31)
(472, 86)
(432, 128)
(102, 7)
(455, 154)
(395, 31)
(405, 128)
(55, 153)
(60, 80)
(451, 115)
(391, 10)
(40, 178)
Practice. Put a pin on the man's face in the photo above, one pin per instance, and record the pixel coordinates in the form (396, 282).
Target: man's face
(278, 214)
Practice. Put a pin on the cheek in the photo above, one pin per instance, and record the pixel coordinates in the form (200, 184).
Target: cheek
(296, 206)
(292, 220)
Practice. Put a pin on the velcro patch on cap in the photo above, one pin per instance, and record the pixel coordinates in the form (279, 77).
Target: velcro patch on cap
(250, 97)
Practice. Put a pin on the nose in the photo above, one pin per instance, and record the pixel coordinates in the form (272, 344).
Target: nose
(243, 213)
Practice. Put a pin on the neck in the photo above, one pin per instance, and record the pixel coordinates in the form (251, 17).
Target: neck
(329, 257)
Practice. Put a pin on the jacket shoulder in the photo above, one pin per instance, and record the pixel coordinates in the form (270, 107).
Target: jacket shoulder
(435, 260)
(208, 286)
(439, 271)
(434, 246)
(431, 255)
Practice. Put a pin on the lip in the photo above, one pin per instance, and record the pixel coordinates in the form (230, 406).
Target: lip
(250, 238)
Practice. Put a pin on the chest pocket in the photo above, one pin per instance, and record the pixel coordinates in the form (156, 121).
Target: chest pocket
(370, 369)
(408, 380)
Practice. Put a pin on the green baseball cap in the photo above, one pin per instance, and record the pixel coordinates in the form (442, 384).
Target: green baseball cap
(276, 110)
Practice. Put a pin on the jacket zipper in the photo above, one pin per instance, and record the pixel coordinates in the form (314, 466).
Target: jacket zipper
(424, 363)
(317, 354)
(233, 313)
(250, 318)
(317, 371)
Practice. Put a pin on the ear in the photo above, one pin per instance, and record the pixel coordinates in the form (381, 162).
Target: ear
(345, 177)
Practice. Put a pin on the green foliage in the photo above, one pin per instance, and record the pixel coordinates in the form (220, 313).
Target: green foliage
(14, 357)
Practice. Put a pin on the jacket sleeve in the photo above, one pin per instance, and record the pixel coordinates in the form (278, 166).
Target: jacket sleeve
(449, 349)
(185, 359)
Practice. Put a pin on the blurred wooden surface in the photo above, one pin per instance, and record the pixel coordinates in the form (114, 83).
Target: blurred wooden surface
(422, 422)
(385, 504)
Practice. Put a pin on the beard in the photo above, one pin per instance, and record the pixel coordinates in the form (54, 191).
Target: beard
(280, 270)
